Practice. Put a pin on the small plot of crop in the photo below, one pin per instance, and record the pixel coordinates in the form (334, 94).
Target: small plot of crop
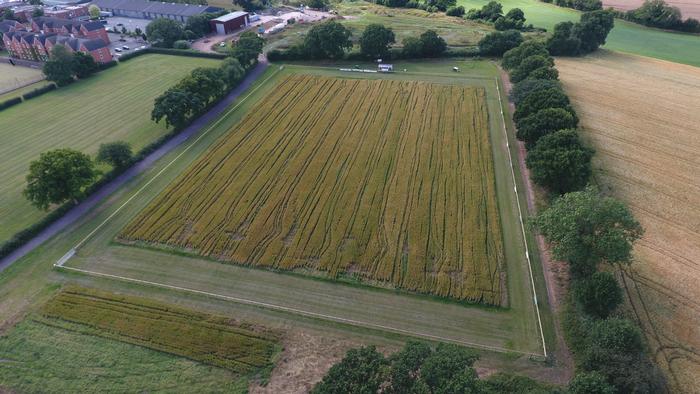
(387, 182)
(197, 336)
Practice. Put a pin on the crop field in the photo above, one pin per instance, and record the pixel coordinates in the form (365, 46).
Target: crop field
(388, 182)
(625, 37)
(112, 105)
(12, 77)
(641, 115)
(84, 338)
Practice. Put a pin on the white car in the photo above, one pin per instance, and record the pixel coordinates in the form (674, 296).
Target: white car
(118, 49)
(126, 48)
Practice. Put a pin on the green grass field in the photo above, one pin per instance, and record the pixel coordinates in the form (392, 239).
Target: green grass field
(625, 37)
(51, 356)
(109, 106)
(377, 316)
(12, 77)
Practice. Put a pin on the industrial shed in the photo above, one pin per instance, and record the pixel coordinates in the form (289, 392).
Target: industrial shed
(229, 23)
(144, 9)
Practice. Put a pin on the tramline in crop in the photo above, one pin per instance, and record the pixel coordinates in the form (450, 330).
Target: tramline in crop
(387, 182)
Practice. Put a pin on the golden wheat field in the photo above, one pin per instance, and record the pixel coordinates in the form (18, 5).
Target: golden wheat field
(387, 182)
(643, 118)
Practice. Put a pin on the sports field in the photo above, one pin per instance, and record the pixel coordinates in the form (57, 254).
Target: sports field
(13, 77)
(129, 343)
(625, 37)
(641, 115)
(112, 105)
(388, 182)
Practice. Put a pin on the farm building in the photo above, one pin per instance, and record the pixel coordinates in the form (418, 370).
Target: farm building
(144, 9)
(229, 23)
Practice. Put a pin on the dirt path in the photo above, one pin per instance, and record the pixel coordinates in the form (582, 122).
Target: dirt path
(555, 272)
(86, 205)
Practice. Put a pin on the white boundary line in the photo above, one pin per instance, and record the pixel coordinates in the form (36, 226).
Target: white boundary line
(60, 262)
(303, 312)
(522, 225)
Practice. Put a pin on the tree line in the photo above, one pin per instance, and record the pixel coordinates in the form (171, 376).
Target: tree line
(593, 233)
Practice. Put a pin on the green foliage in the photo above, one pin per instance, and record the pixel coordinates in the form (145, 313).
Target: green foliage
(530, 64)
(618, 335)
(57, 176)
(375, 41)
(59, 68)
(8, 14)
(117, 154)
(439, 5)
(177, 107)
(405, 366)
(525, 88)
(317, 4)
(585, 228)
(540, 124)
(327, 40)
(251, 5)
(444, 364)
(432, 45)
(506, 383)
(656, 13)
(490, 12)
(590, 383)
(181, 44)
(559, 162)
(542, 99)
(94, 11)
(84, 65)
(544, 73)
(163, 32)
(514, 20)
(626, 372)
(247, 48)
(563, 41)
(37, 12)
(361, 371)
(232, 71)
(581, 5)
(497, 43)
(455, 11)
(598, 295)
(513, 57)
(199, 24)
(571, 39)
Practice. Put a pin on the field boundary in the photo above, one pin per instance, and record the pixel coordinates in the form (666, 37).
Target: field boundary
(302, 312)
(522, 224)
(60, 263)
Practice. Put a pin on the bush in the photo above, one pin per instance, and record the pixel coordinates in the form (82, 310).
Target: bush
(39, 91)
(529, 65)
(109, 64)
(117, 154)
(455, 11)
(497, 43)
(9, 103)
(598, 295)
(181, 44)
(590, 383)
(560, 162)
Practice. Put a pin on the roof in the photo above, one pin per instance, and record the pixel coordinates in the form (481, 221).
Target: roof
(92, 26)
(230, 16)
(93, 44)
(178, 9)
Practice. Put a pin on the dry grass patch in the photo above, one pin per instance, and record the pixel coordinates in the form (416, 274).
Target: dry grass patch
(388, 182)
(642, 116)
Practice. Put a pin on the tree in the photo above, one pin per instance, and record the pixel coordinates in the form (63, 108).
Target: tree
(529, 65)
(524, 88)
(375, 41)
(513, 57)
(37, 12)
(181, 44)
(318, 4)
(490, 12)
(598, 295)
(585, 229)
(455, 11)
(360, 371)
(514, 19)
(35, 2)
(590, 383)
(177, 106)
(84, 65)
(327, 40)
(8, 14)
(250, 5)
(59, 175)
(594, 28)
(626, 372)
(432, 45)
(542, 123)
(205, 83)
(405, 366)
(544, 73)
(163, 32)
(446, 362)
(542, 99)
(199, 25)
(618, 335)
(231, 71)
(59, 68)
(247, 48)
(497, 43)
(117, 154)
(94, 11)
(412, 47)
(563, 41)
(560, 162)
(656, 13)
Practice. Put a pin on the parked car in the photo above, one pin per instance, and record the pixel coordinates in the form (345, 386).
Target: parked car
(118, 49)
(126, 48)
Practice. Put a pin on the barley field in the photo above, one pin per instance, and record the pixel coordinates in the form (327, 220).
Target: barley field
(642, 117)
(387, 182)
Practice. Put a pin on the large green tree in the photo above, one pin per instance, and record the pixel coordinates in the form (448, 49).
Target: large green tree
(361, 371)
(117, 154)
(432, 45)
(563, 41)
(593, 29)
(251, 5)
(498, 42)
(590, 383)
(327, 40)
(163, 32)
(375, 41)
(528, 65)
(177, 107)
(59, 67)
(84, 65)
(558, 161)
(247, 48)
(598, 295)
(542, 99)
(231, 71)
(405, 367)
(542, 123)
(57, 176)
(585, 228)
(513, 57)
(523, 89)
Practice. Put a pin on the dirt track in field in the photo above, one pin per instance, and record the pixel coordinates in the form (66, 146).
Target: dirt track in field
(689, 8)
(643, 118)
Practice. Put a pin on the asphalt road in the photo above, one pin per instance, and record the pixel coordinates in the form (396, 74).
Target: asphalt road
(86, 205)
